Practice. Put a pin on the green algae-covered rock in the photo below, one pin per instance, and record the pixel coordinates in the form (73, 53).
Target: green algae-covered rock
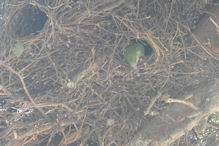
(133, 52)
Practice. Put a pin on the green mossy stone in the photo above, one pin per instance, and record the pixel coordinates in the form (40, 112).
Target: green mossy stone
(133, 52)
(18, 49)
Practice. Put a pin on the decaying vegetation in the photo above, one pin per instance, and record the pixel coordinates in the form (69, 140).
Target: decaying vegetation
(71, 84)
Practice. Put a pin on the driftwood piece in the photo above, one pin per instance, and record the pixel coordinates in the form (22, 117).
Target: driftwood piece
(179, 118)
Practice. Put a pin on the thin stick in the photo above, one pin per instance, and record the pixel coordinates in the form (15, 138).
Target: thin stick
(151, 104)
